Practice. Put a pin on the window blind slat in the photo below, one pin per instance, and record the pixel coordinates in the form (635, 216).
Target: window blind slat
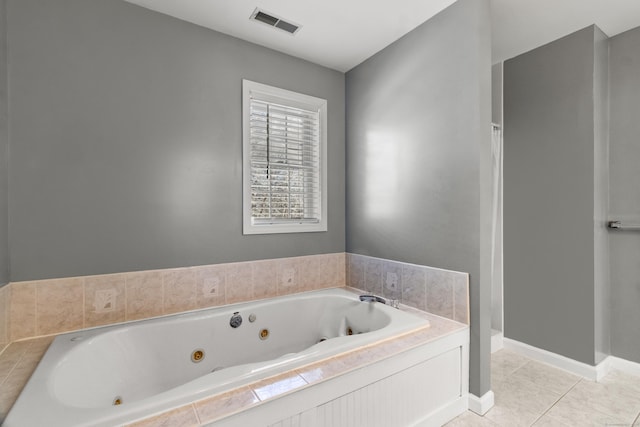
(285, 163)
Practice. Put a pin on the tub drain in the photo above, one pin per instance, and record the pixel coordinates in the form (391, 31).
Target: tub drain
(197, 356)
(117, 401)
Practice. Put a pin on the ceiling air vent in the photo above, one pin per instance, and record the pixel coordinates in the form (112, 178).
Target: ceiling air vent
(274, 21)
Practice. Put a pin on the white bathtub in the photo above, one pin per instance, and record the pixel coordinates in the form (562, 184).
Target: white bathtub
(147, 366)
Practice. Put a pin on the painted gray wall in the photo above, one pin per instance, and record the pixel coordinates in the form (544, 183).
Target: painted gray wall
(126, 141)
(496, 93)
(4, 151)
(549, 200)
(602, 288)
(624, 195)
(497, 308)
(418, 156)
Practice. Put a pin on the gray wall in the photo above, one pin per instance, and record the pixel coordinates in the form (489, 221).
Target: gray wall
(602, 288)
(4, 151)
(624, 195)
(497, 308)
(418, 156)
(496, 93)
(549, 196)
(126, 141)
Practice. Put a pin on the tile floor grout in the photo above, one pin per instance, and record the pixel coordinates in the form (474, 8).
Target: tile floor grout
(556, 402)
(531, 393)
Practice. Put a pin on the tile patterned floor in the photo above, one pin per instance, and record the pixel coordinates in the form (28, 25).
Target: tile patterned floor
(528, 393)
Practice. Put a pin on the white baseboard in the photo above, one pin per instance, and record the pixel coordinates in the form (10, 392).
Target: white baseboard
(623, 365)
(497, 341)
(593, 373)
(578, 368)
(481, 405)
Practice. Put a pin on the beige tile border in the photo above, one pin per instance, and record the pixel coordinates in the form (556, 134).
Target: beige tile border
(438, 291)
(52, 306)
(45, 307)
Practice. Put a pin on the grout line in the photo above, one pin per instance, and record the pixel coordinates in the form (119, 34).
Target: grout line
(557, 401)
(195, 411)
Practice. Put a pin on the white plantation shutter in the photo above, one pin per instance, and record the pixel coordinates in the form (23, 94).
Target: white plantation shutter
(283, 161)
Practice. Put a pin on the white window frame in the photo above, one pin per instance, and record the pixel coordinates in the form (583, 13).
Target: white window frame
(253, 90)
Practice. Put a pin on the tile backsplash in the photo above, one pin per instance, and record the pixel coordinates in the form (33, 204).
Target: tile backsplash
(441, 292)
(44, 307)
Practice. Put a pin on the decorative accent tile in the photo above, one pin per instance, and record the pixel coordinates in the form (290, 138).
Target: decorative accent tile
(239, 282)
(59, 306)
(211, 285)
(225, 404)
(288, 276)
(104, 300)
(179, 290)
(265, 279)
(392, 280)
(22, 316)
(144, 295)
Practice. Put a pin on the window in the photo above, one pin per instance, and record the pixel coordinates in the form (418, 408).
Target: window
(284, 161)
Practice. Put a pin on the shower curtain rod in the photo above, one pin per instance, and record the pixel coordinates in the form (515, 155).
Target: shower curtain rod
(619, 225)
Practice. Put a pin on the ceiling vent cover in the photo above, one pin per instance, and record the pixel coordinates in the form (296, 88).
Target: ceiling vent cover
(274, 21)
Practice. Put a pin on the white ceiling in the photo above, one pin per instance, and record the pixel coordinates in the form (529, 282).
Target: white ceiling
(340, 34)
(521, 25)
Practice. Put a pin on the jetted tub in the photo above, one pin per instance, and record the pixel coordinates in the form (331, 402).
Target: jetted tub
(110, 375)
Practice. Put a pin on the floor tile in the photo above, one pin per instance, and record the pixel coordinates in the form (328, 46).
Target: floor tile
(612, 398)
(571, 412)
(504, 363)
(519, 402)
(547, 421)
(630, 383)
(470, 419)
(552, 379)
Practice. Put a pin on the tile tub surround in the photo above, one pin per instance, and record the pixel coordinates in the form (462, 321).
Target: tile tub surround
(45, 307)
(441, 292)
(4, 316)
(15, 369)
